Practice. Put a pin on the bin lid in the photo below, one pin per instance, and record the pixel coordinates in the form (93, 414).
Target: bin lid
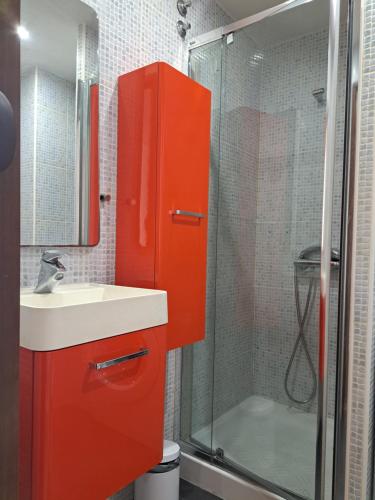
(171, 451)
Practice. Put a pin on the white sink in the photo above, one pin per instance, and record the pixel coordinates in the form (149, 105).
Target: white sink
(76, 314)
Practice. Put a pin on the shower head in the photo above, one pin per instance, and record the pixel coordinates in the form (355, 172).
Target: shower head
(318, 94)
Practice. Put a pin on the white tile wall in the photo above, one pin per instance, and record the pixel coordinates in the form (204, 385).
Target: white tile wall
(132, 34)
(27, 154)
(289, 208)
(87, 52)
(234, 251)
(265, 207)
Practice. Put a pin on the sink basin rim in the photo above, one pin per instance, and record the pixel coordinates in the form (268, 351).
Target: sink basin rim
(52, 328)
(63, 291)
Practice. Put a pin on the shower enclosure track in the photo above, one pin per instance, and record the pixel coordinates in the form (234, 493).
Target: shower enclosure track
(203, 452)
(219, 33)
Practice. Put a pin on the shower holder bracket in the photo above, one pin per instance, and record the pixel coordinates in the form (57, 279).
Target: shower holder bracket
(182, 28)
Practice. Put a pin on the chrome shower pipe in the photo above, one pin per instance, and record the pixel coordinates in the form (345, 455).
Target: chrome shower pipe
(326, 245)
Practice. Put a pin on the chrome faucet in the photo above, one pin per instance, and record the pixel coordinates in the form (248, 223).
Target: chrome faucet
(51, 271)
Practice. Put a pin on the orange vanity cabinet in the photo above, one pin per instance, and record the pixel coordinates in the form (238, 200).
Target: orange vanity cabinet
(162, 194)
(95, 429)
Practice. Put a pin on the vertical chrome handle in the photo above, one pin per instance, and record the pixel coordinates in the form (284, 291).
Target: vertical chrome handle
(121, 359)
(187, 213)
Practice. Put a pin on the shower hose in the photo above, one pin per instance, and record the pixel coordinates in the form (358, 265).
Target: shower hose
(302, 317)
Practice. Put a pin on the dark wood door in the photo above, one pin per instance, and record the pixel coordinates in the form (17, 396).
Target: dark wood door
(9, 259)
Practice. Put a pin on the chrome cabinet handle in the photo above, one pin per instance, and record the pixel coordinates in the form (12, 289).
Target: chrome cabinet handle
(121, 359)
(186, 213)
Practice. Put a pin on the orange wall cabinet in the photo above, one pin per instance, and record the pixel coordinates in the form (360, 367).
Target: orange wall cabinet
(93, 431)
(162, 197)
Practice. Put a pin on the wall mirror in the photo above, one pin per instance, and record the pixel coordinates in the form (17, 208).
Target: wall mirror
(59, 123)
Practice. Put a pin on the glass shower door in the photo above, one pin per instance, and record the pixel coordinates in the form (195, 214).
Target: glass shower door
(250, 390)
(272, 146)
(205, 66)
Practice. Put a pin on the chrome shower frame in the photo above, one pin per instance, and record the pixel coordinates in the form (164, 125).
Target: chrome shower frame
(350, 167)
(345, 330)
(326, 246)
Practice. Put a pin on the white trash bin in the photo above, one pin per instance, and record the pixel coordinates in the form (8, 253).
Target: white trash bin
(163, 481)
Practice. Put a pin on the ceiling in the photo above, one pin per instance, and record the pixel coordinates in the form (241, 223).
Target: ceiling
(53, 27)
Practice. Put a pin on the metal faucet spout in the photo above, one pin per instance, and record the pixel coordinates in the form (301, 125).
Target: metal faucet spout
(51, 271)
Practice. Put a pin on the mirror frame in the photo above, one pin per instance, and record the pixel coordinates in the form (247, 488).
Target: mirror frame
(86, 147)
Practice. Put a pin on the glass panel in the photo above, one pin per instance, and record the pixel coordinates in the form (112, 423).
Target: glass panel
(198, 359)
(269, 220)
(261, 351)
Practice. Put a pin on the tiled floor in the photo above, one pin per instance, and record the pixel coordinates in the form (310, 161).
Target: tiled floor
(190, 492)
(272, 440)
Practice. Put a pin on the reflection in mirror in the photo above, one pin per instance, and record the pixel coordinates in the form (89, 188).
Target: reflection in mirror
(59, 123)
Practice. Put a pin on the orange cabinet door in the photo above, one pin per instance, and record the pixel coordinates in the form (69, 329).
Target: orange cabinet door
(183, 160)
(136, 177)
(163, 167)
(96, 428)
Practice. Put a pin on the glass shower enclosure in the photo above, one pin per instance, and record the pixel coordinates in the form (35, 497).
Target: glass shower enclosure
(252, 393)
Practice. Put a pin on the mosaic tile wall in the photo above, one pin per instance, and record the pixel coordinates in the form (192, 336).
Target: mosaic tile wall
(196, 405)
(231, 228)
(132, 33)
(27, 155)
(49, 177)
(87, 52)
(265, 206)
(47, 208)
(236, 228)
(129, 38)
(289, 208)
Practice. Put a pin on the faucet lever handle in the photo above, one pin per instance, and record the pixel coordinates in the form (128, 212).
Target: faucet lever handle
(53, 257)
